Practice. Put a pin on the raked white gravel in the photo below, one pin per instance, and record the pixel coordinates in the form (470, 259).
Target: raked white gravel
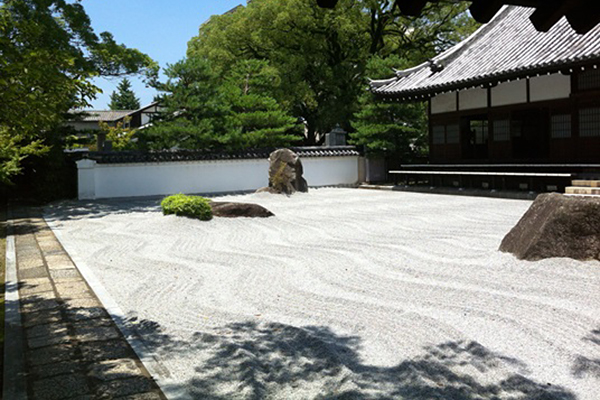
(345, 293)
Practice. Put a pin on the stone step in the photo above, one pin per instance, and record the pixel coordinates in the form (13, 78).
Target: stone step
(586, 183)
(582, 190)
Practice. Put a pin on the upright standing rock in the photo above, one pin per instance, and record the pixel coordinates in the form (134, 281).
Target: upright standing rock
(285, 173)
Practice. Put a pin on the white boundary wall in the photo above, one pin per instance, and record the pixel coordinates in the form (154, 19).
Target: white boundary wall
(100, 181)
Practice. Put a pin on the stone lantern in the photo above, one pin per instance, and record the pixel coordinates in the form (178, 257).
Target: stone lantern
(337, 137)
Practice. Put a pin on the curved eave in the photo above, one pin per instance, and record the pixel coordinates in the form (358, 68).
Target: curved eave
(377, 83)
(441, 59)
(424, 93)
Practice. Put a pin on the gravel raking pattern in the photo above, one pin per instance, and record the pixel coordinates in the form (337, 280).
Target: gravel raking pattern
(346, 294)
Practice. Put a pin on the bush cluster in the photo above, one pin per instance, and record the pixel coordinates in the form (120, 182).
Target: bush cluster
(188, 206)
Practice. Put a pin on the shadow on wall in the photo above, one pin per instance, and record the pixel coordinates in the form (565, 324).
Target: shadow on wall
(268, 360)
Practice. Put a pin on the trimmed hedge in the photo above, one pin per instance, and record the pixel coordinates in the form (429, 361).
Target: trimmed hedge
(187, 206)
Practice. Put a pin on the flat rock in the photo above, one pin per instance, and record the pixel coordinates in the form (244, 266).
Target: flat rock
(557, 226)
(234, 210)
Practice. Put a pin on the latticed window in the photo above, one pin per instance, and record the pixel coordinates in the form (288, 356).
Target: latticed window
(438, 134)
(589, 80)
(560, 126)
(589, 122)
(452, 133)
(479, 128)
(501, 130)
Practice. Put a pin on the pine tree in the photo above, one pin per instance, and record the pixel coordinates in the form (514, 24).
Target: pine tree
(389, 129)
(260, 120)
(196, 114)
(124, 98)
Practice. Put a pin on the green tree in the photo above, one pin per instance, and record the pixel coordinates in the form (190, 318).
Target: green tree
(389, 129)
(257, 117)
(322, 54)
(48, 54)
(124, 98)
(196, 112)
(440, 26)
(120, 134)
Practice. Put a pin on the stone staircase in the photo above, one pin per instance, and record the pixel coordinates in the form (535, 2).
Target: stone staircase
(586, 187)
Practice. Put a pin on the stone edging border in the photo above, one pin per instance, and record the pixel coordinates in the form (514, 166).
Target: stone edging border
(15, 386)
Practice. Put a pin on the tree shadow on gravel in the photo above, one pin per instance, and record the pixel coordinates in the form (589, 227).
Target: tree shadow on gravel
(585, 366)
(73, 210)
(78, 209)
(262, 360)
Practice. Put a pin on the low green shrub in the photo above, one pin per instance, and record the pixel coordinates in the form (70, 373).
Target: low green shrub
(188, 206)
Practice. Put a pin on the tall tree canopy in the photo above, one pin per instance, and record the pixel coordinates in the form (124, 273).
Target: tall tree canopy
(389, 128)
(321, 54)
(195, 109)
(124, 98)
(208, 111)
(48, 53)
(258, 118)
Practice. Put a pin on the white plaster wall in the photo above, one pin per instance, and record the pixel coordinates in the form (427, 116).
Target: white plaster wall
(549, 87)
(472, 98)
(326, 171)
(97, 181)
(514, 92)
(131, 180)
(445, 102)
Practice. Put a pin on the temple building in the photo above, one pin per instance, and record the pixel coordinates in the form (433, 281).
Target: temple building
(509, 94)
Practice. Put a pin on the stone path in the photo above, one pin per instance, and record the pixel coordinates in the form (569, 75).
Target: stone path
(72, 349)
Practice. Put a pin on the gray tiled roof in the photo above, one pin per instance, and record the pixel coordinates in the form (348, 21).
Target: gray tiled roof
(104, 115)
(120, 157)
(107, 115)
(508, 47)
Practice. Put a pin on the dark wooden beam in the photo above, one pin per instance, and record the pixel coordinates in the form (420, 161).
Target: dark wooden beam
(412, 8)
(581, 14)
(584, 16)
(549, 13)
(484, 10)
(327, 3)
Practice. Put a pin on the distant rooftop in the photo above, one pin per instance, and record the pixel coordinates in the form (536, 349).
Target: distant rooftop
(103, 115)
(108, 115)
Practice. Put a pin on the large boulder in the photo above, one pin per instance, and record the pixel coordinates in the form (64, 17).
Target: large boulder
(234, 210)
(285, 173)
(557, 226)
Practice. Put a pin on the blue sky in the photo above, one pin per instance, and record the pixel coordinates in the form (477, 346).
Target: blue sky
(159, 28)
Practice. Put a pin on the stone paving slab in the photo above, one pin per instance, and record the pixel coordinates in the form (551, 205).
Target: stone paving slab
(51, 355)
(61, 387)
(42, 317)
(72, 348)
(46, 330)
